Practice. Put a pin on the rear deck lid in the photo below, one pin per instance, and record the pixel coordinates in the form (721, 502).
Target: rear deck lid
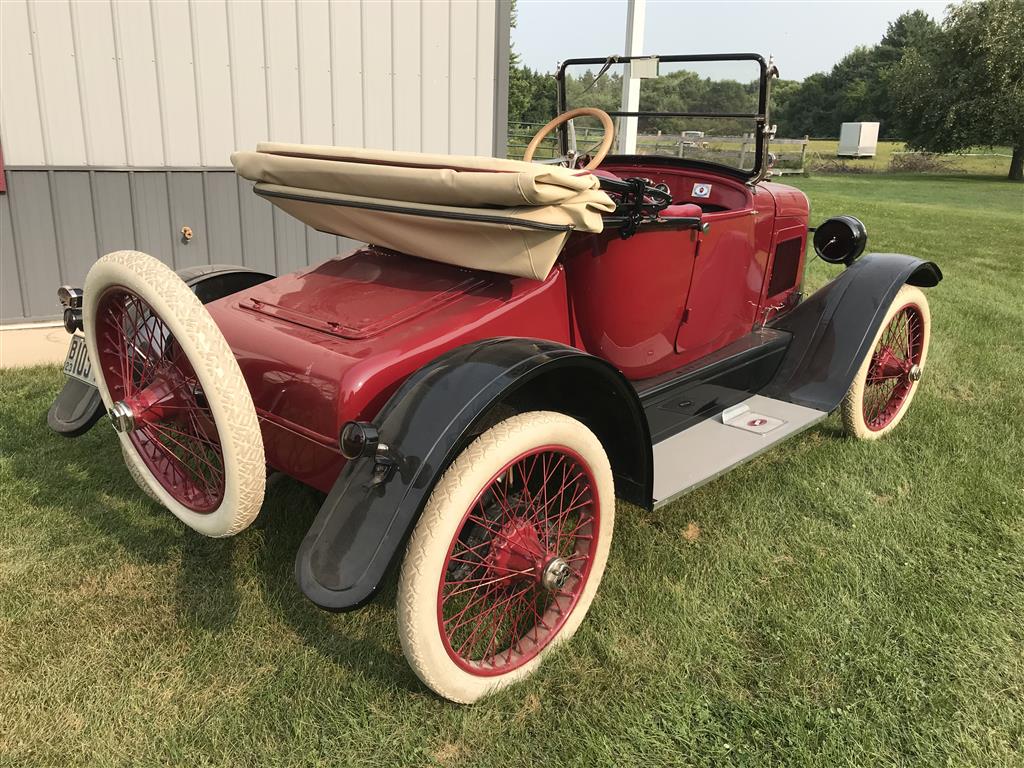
(364, 294)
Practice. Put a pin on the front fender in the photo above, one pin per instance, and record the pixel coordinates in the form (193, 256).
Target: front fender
(833, 329)
(362, 525)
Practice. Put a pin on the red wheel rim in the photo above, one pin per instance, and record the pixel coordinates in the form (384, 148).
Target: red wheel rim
(895, 362)
(497, 605)
(174, 431)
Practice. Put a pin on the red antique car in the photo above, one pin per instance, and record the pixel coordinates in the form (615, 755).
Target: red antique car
(522, 343)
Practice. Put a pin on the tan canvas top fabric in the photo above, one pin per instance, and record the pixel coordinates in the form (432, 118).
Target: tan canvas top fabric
(475, 212)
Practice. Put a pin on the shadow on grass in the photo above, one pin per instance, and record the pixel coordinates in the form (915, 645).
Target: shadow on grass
(288, 512)
(84, 482)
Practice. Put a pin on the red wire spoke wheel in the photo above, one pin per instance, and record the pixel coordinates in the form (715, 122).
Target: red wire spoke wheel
(888, 379)
(507, 556)
(174, 393)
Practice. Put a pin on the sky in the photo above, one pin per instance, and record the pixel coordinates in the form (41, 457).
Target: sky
(804, 37)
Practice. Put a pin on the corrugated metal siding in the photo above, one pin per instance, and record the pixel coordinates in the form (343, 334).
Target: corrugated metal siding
(184, 83)
(54, 224)
(117, 120)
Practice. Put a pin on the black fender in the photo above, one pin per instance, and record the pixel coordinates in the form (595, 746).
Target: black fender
(78, 406)
(833, 329)
(362, 525)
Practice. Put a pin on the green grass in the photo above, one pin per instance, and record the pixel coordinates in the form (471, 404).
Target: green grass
(833, 603)
(977, 160)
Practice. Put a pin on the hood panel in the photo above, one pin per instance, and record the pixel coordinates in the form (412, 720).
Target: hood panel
(363, 295)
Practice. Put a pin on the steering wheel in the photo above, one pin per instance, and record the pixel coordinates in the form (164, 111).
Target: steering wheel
(602, 149)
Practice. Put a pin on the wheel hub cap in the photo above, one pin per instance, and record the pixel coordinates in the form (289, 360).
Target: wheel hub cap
(121, 416)
(556, 574)
(518, 554)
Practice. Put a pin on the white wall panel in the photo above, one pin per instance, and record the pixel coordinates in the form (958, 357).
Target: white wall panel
(462, 72)
(280, 45)
(378, 99)
(97, 82)
(407, 82)
(21, 132)
(57, 83)
(137, 59)
(347, 73)
(213, 79)
(436, 88)
(183, 83)
(315, 95)
(248, 74)
(177, 83)
(486, 90)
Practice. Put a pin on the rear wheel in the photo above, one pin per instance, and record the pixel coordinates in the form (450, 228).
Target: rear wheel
(507, 555)
(175, 394)
(133, 470)
(888, 379)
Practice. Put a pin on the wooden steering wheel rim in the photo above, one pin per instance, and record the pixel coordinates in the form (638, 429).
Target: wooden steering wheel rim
(600, 114)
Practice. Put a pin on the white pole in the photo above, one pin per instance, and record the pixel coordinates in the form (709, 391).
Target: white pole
(631, 86)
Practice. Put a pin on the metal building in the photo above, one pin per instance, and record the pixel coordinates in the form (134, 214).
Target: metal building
(117, 118)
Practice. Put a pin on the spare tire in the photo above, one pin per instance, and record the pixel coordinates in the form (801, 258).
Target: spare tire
(175, 393)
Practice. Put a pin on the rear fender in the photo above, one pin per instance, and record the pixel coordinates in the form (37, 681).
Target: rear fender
(362, 525)
(833, 329)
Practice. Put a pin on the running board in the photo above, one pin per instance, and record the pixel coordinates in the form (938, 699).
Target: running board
(712, 447)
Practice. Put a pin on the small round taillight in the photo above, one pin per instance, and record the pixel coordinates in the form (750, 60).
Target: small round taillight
(72, 320)
(358, 438)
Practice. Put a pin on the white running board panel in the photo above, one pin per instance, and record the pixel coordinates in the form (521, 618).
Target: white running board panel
(714, 446)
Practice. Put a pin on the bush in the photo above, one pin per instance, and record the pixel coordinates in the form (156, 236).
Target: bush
(819, 164)
(921, 162)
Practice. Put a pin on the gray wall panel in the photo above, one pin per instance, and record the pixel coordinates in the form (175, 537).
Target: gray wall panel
(289, 242)
(257, 229)
(11, 309)
(151, 214)
(188, 209)
(112, 197)
(75, 223)
(223, 219)
(33, 227)
(320, 247)
(97, 212)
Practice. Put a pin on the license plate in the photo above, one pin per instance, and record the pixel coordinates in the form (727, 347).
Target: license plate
(76, 364)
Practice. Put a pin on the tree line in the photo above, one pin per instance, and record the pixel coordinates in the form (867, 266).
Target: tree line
(939, 87)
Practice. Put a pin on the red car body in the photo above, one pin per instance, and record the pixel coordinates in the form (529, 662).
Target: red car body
(331, 343)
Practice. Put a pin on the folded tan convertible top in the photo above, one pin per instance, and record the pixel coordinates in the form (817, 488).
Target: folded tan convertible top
(485, 213)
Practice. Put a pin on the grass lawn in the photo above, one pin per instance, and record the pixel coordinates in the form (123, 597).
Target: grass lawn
(833, 603)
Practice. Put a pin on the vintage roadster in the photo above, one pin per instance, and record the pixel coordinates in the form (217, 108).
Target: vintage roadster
(521, 343)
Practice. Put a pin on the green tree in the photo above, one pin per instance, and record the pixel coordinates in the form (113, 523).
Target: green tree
(966, 88)
(855, 88)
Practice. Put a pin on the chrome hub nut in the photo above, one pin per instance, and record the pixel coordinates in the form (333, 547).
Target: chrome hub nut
(914, 374)
(121, 416)
(556, 573)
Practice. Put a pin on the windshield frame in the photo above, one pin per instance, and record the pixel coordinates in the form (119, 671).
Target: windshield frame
(760, 117)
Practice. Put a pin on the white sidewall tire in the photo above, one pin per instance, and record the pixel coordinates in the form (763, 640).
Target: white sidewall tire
(221, 378)
(427, 551)
(132, 463)
(853, 404)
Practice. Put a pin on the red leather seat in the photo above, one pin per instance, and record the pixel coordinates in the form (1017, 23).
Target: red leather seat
(682, 210)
